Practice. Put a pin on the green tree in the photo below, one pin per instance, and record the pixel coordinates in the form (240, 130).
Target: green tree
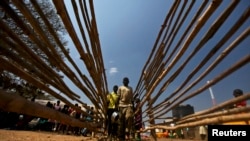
(8, 45)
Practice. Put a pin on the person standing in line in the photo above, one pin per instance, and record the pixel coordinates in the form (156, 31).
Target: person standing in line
(112, 107)
(89, 118)
(62, 125)
(138, 119)
(125, 107)
(57, 107)
(77, 116)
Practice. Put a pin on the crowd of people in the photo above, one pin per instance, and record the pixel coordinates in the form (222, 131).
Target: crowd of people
(17, 121)
(57, 126)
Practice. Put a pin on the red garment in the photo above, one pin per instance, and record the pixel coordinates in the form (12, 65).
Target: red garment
(138, 118)
(241, 104)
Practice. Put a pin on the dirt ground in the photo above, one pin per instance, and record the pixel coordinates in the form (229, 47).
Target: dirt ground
(16, 135)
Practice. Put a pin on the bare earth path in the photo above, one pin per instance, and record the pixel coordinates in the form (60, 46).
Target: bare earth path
(13, 135)
(18, 135)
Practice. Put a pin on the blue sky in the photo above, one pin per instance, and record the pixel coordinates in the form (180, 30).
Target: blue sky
(128, 30)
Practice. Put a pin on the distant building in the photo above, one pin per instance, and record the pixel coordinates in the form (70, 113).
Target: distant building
(182, 110)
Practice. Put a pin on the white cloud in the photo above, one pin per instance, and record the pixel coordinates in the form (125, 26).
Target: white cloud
(113, 70)
(111, 62)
